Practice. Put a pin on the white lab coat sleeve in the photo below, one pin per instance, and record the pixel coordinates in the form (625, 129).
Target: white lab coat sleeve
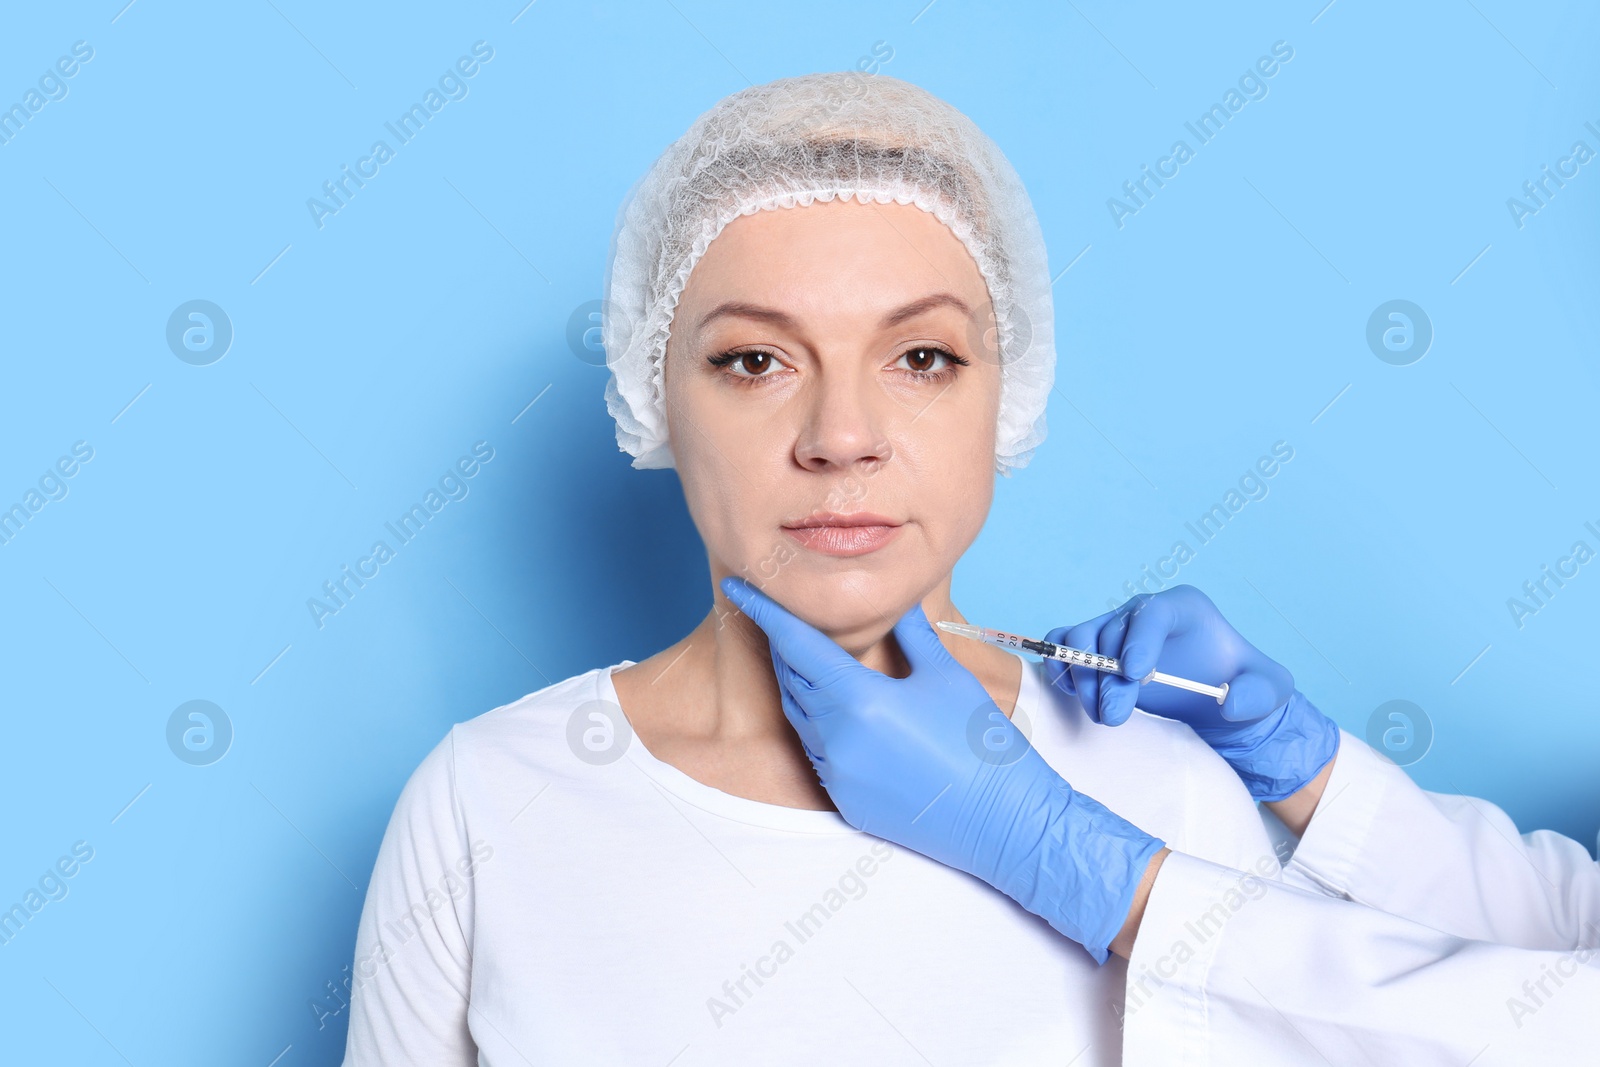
(1231, 968)
(1454, 863)
(413, 960)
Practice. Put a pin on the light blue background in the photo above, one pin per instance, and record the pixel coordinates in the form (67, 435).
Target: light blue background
(428, 313)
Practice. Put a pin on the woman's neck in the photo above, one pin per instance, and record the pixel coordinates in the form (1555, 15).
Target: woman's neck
(709, 705)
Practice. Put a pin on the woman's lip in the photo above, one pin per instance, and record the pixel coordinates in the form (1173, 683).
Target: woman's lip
(834, 518)
(844, 540)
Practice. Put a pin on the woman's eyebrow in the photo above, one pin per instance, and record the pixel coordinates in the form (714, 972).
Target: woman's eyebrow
(783, 319)
(927, 303)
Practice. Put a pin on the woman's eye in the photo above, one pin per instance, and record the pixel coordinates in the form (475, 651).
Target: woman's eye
(924, 359)
(752, 364)
(746, 363)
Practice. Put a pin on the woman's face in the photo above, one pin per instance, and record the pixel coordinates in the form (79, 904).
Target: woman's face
(829, 363)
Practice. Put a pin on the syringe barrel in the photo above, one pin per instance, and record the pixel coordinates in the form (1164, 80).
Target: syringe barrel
(1006, 640)
(1049, 650)
(1078, 657)
(1092, 660)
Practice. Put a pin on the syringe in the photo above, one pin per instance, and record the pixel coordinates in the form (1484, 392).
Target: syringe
(1093, 660)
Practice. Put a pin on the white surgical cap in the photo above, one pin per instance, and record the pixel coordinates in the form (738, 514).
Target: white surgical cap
(816, 137)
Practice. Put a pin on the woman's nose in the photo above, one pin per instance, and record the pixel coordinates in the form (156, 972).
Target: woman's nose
(843, 423)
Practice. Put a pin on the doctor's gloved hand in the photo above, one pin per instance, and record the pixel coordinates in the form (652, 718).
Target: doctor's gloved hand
(930, 762)
(1266, 729)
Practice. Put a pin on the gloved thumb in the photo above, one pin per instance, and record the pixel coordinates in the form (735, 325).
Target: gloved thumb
(1251, 696)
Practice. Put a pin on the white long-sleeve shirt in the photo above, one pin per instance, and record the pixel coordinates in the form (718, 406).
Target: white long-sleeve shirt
(1408, 928)
(530, 907)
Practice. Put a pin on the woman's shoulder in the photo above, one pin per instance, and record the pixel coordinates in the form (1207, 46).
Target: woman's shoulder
(507, 753)
(533, 723)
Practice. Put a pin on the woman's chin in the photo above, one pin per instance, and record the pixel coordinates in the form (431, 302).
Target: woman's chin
(856, 610)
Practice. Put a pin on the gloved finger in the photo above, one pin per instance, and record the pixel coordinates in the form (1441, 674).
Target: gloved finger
(1118, 697)
(1149, 625)
(1117, 693)
(812, 741)
(1055, 671)
(1086, 636)
(1252, 696)
(792, 693)
(1135, 640)
(791, 687)
(1190, 607)
(921, 645)
(812, 654)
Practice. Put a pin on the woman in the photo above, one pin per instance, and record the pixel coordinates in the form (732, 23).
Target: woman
(829, 310)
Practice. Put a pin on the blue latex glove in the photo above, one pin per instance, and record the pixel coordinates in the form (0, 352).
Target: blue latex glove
(931, 762)
(1266, 729)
